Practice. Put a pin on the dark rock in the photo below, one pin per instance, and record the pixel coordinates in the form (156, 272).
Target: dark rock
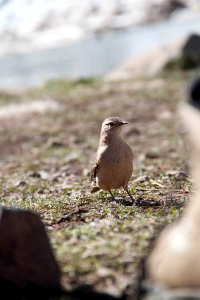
(152, 155)
(189, 54)
(33, 174)
(21, 183)
(194, 93)
(192, 45)
(26, 257)
(177, 174)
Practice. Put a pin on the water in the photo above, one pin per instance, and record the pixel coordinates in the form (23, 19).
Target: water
(92, 57)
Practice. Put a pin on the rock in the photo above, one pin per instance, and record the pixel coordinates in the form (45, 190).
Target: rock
(33, 174)
(146, 64)
(174, 261)
(20, 183)
(152, 154)
(38, 174)
(142, 178)
(192, 45)
(44, 175)
(177, 174)
(188, 56)
(26, 257)
(183, 53)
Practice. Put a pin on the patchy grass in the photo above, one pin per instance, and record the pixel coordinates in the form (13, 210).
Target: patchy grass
(45, 161)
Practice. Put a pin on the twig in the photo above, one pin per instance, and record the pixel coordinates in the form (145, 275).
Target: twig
(69, 215)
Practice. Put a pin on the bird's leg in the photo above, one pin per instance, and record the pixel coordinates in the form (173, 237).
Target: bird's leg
(132, 199)
(113, 197)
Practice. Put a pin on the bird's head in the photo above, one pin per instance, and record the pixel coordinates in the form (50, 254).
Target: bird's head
(112, 125)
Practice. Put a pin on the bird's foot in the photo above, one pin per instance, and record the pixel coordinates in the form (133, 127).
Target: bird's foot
(113, 197)
(121, 201)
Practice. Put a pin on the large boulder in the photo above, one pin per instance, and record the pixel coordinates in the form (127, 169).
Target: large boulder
(26, 257)
(188, 55)
(183, 53)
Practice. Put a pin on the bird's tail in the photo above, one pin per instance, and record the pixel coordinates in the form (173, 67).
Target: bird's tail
(95, 189)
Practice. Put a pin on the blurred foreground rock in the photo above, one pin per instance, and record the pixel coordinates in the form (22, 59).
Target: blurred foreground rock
(181, 54)
(174, 261)
(26, 257)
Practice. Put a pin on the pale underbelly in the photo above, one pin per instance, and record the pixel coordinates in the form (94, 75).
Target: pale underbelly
(114, 177)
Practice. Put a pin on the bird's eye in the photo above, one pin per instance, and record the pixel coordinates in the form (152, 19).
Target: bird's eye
(111, 124)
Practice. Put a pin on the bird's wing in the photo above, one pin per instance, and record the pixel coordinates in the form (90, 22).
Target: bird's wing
(93, 171)
(93, 174)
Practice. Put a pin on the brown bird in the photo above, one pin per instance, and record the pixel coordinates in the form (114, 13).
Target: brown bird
(113, 164)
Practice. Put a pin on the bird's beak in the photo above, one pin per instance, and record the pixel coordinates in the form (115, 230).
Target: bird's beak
(124, 123)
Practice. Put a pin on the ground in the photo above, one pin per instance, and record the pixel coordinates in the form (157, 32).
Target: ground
(49, 136)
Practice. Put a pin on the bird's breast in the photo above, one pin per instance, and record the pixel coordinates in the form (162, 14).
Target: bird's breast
(116, 166)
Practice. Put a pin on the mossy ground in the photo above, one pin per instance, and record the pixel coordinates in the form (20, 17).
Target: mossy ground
(45, 159)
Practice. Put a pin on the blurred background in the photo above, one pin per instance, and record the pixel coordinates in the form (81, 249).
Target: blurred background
(47, 39)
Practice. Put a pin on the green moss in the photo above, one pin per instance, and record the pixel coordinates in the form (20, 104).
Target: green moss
(184, 62)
